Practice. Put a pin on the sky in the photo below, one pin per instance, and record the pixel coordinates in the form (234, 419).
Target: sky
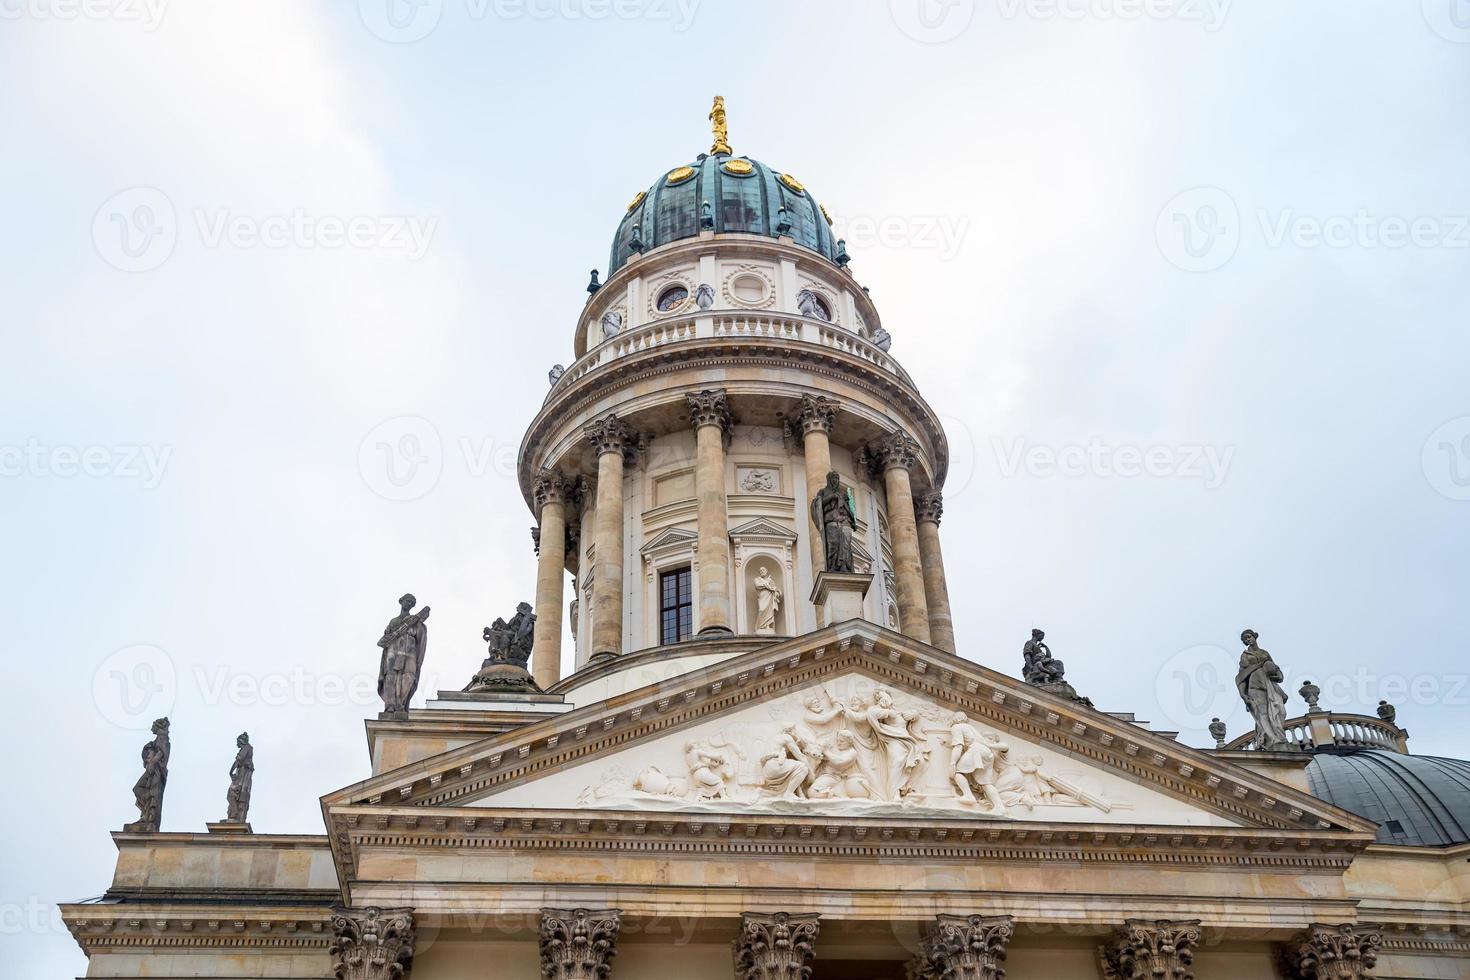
(1186, 280)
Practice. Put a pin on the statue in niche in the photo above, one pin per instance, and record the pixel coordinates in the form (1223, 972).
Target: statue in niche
(404, 641)
(767, 601)
(704, 296)
(1259, 683)
(832, 512)
(809, 305)
(148, 790)
(612, 324)
(242, 777)
(787, 771)
(510, 651)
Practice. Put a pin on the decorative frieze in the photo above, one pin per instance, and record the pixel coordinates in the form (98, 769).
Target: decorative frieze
(965, 947)
(579, 944)
(372, 943)
(775, 946)
(610, 434)
(1341, 952)
(709, 407)
(1152, 949)
(929, 506)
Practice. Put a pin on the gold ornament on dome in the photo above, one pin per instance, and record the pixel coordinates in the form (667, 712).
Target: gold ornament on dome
(721, 129)
(793, 183)
(740, 168)
(825, 214)
(680, 174)
(637, 200)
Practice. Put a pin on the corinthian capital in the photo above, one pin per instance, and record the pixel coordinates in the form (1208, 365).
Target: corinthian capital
(554, 488)
(818, 413)
(579, 944)
(965, 947)
(776, 946)
(896, 449)
(929, 506)
(609, 434)
(709, 407)
(372, 943)
(1155, 949)
(1345, 952)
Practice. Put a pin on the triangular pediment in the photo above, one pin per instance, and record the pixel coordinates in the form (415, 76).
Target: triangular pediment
(763, 528)
(711, 742)
(673, 538)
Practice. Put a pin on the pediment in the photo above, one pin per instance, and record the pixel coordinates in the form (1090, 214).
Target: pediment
(710, 742)
(674, 538)
(763, 529)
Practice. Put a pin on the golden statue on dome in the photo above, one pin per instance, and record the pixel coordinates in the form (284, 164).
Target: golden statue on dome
(722, 131)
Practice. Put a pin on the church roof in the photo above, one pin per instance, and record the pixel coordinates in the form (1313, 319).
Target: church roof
(1416, 800)
(744, 196)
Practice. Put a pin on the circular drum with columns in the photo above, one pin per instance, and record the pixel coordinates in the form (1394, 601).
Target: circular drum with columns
(728, 364)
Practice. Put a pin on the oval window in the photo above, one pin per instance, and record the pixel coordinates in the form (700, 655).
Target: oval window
(672, 298)
(748, 289)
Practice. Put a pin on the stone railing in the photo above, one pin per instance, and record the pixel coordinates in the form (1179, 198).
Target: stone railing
(727, 324)
(1322, 729)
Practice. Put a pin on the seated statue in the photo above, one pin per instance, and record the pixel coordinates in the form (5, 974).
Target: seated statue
(1041, 667)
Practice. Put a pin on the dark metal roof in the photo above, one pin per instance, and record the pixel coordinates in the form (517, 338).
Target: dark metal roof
(1416, 799)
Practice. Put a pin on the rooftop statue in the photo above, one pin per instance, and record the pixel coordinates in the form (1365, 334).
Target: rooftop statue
(1045, 671)
(832, 512)
(510, 652)
(404, 641)
(1259, 683)
(148, 790)
(242, 775)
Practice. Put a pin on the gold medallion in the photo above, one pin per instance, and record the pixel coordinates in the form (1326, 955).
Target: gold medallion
(793, 183)
(740, 168)
(680, 174)
(637, 200)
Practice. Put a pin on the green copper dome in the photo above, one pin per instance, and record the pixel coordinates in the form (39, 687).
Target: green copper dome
(743, 196)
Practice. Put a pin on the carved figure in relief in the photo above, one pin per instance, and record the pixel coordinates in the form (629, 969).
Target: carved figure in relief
(767, 601)
(758, 481)
(710, 771)
(840, 774)
(972, 761)
(900, 749)
(787, 770)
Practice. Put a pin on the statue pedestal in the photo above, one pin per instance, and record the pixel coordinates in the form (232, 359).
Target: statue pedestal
(839, 596)
(228, 827)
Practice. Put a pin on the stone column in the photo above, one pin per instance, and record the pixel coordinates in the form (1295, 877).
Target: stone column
(372, 943)
(611, 440)
(964, 947)
(812, 424)
(552, 493)
(579, 944)
(1151, 949)
(928, 508)
(709, 413)
(896, 456)
(1342, 952)
(775, 946)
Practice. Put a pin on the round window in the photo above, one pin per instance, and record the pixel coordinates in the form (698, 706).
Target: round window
(672, 298)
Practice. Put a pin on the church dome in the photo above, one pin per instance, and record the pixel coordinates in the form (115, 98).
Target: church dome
(1417, 800)
(743, 196)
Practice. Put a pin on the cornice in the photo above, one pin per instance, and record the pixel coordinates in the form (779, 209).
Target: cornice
(126, 926)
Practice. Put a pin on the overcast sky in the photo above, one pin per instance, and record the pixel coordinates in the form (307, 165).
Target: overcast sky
(1187, 282)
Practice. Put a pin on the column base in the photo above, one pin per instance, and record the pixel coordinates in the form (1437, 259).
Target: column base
(839, 596)
(603, 657)
(716, 631)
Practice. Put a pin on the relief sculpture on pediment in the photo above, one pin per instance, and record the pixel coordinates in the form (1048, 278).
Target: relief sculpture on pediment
(852, 746)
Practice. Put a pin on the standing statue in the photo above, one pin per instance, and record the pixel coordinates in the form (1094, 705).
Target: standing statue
(1259, 683)
(832, 512)
(148, 790)
(510, 652)
(720, 127)
(767, 601)
(404, 641)
(242, 775)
